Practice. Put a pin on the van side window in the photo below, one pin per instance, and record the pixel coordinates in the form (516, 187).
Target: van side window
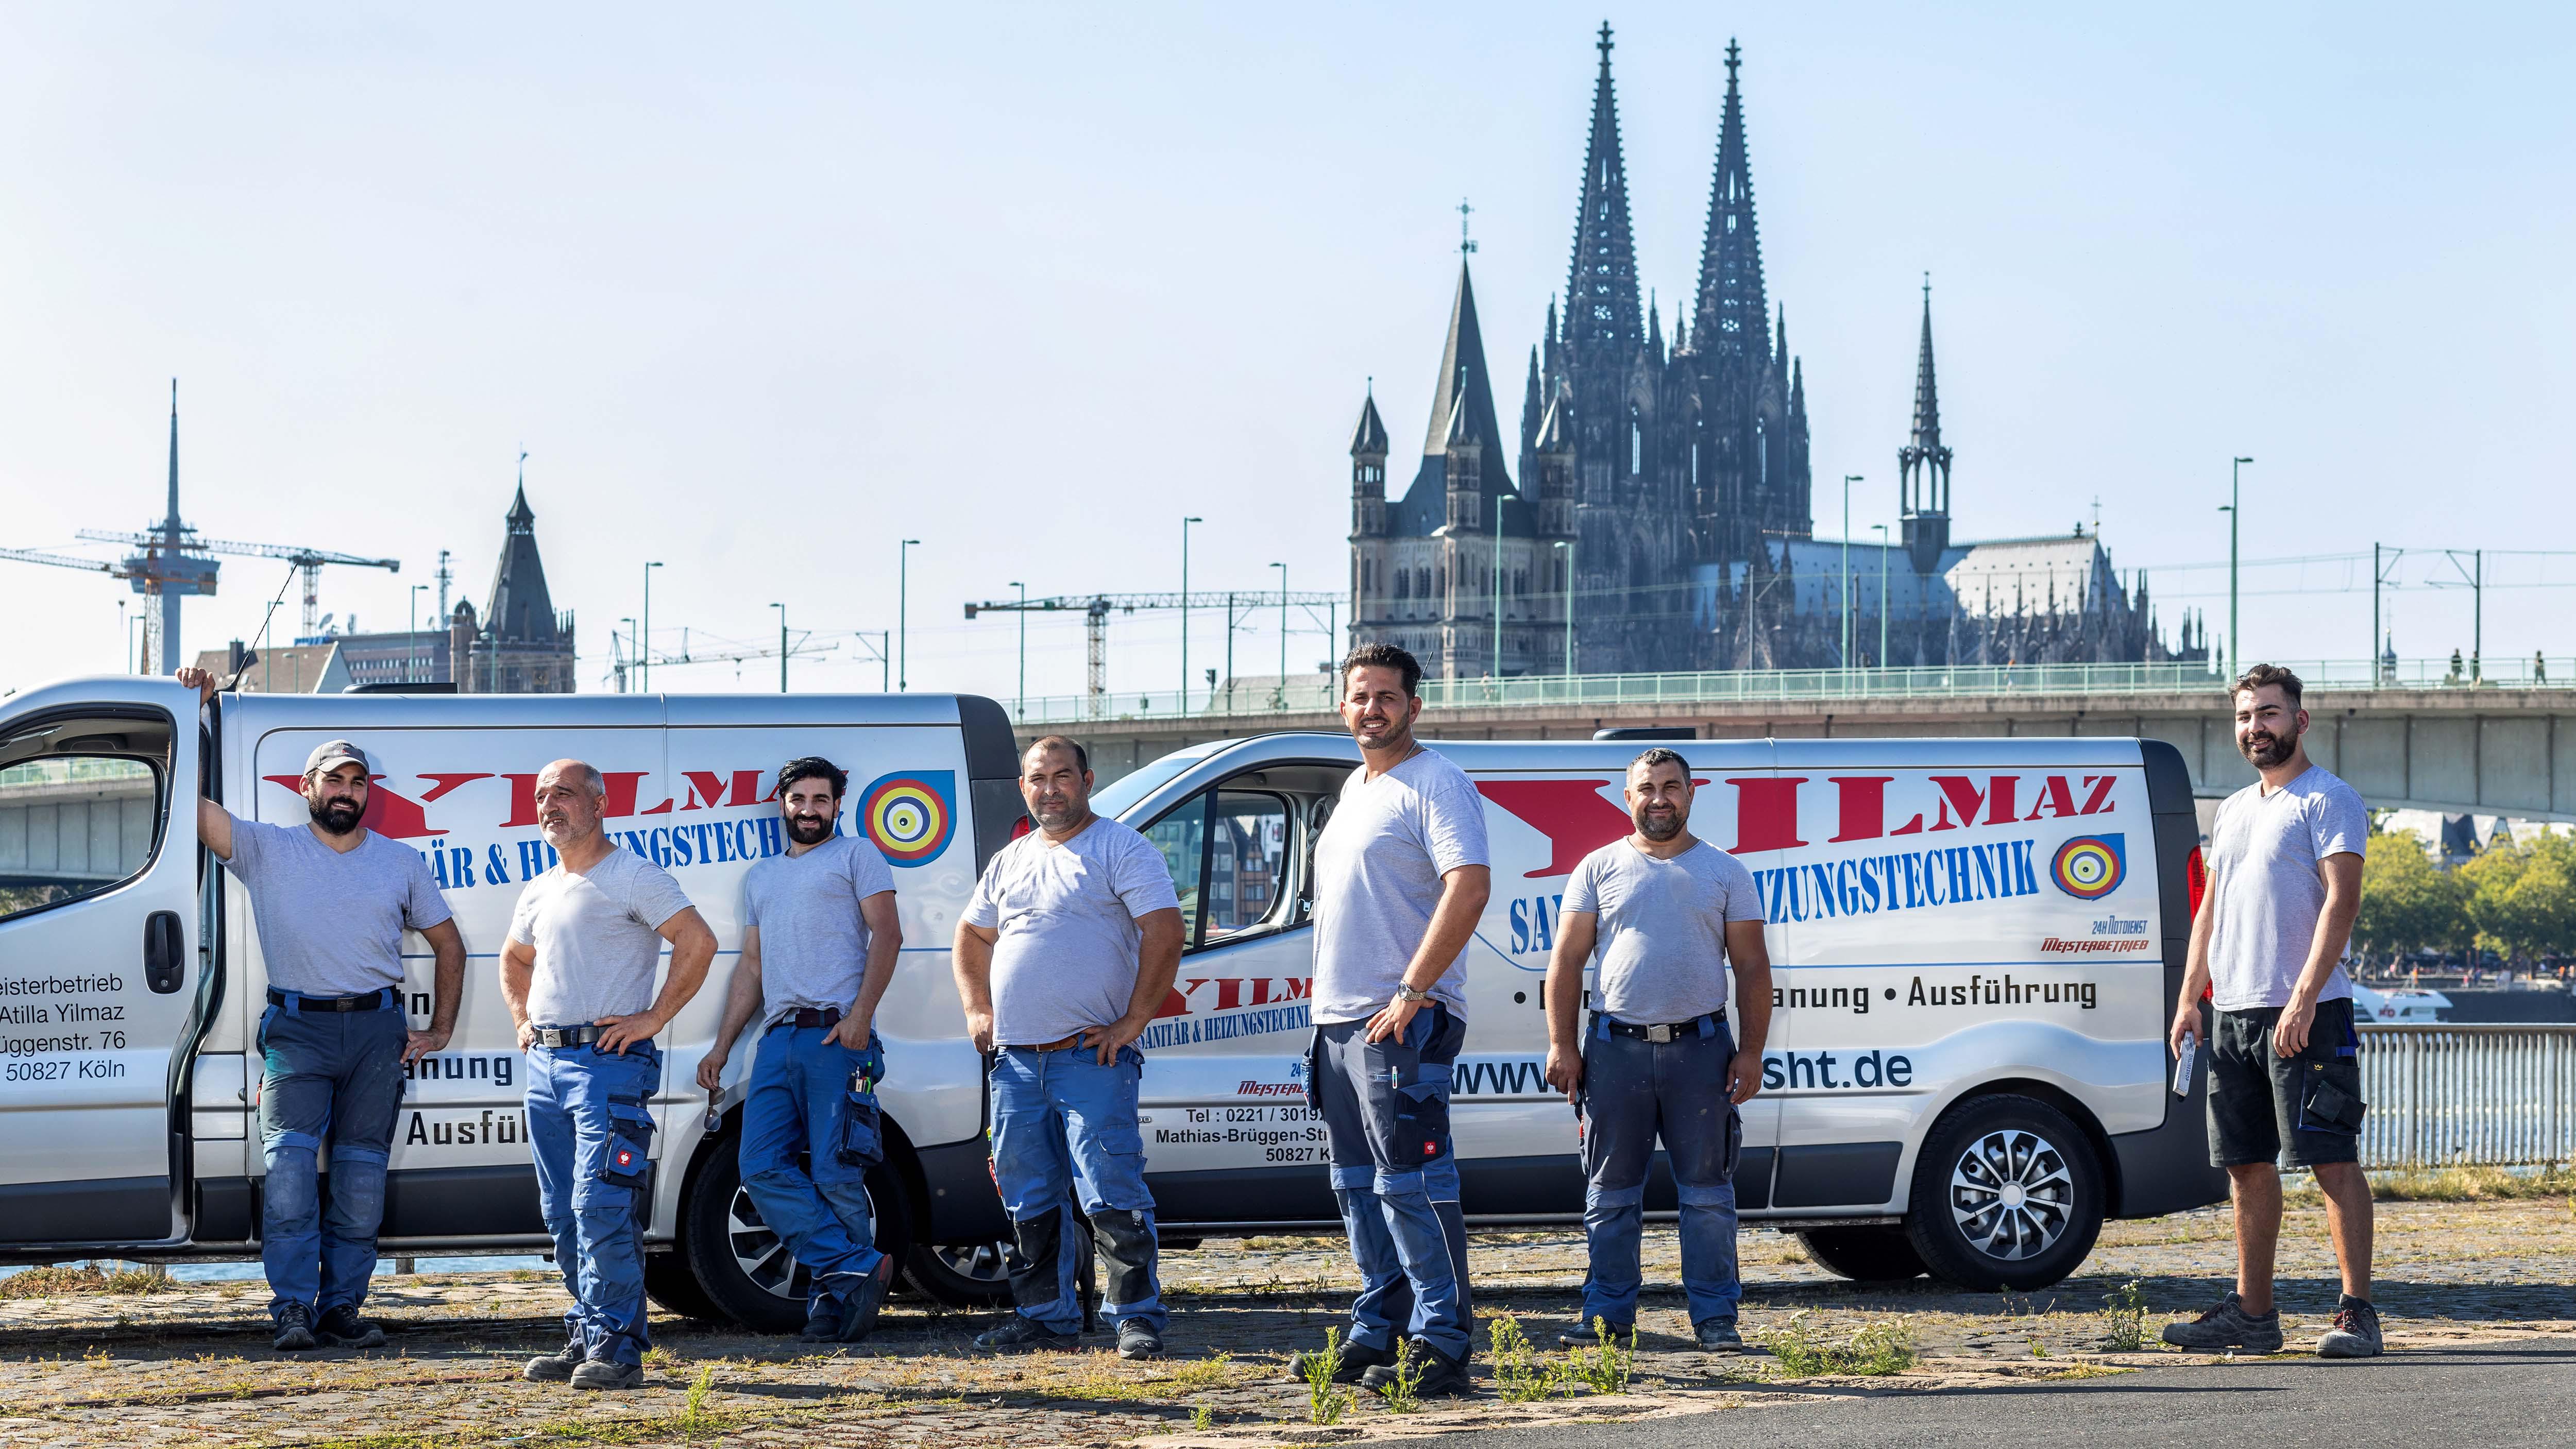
(1181, 836)
(1230, 852)
(73, 824)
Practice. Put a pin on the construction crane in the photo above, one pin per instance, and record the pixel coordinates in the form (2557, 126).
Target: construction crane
(308, 560)
(1096, 609)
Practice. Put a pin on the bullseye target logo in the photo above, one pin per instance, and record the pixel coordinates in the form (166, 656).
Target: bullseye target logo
(910, 815)
(2090, 867)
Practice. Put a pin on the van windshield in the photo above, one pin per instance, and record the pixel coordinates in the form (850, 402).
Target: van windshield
(1119, 796)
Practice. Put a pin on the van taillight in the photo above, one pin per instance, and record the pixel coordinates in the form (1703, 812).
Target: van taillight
(2195, 872)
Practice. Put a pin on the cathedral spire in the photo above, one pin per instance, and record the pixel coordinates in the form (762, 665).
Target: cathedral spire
(1601, 291)
(1465, 398)
(1730, 264)
(1531, 406)
(1927, 396)
(1923, 464)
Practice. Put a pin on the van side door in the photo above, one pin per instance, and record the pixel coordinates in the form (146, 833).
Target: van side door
(100, 975)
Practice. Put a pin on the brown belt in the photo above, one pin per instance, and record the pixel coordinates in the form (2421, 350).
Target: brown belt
(1074, 1040)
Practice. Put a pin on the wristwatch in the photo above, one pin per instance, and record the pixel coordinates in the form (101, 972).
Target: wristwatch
(1405, 992)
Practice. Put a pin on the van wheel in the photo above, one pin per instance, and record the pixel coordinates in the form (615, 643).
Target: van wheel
(960, 1275)
(668, 1282)
(743, 1266)
(1865, 1255)
(2007, 1194)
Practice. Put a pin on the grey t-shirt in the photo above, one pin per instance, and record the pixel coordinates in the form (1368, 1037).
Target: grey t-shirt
(1066, 914)
(596, 936)
(813, 941)
(2264, 851)
(1661, 946)
(331, 922)
(1378, 870)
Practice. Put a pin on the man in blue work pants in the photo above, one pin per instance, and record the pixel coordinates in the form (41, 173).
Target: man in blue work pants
(592, 1136)
(335, 1071)
(1636, 1089)
(1386, 1118)
(812, 1095)
(1063, 1125)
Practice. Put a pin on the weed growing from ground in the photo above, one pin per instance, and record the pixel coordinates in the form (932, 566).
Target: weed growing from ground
(1203, 1417)
(1518, 1376)
(694, 1411)
(1885, 1347)
(1603, 1367)
(1326, 1401)
(2124, 1320)
(1403, 1391)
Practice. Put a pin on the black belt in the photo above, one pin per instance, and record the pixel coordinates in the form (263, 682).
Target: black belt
(566, 1036)
(1672, 1031)
(827, 1018)
(384, 999)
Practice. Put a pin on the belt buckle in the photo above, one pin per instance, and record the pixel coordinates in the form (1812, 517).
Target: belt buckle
(1659, 1033)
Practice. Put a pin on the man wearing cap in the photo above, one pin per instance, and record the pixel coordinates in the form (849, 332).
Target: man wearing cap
(578, 975)
(820, 938)
(331, 900)
(1063, 955)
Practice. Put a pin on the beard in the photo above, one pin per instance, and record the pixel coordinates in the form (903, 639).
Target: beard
(1058, 817)
(1658, 827)
(2264, 749)
(336, 817)
(805, 832)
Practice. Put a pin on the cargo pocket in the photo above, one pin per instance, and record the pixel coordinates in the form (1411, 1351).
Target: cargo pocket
(1422, 1115)
(1315, 1071)
(628, 1160)
(2330, 1098)
(1734, 1141)
(862, 1142)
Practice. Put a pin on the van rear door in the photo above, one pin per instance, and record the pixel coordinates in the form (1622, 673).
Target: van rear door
(101, 987)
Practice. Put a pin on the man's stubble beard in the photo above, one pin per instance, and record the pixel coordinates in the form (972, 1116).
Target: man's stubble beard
(2262, 758)
(1659, 829)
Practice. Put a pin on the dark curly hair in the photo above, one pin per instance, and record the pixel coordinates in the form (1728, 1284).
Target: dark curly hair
(814, 767)
(1385, 656)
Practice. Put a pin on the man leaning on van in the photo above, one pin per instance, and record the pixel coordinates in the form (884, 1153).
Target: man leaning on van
(331, 899)
(578, 975)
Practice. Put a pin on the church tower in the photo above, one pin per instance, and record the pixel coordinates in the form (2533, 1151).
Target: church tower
(1923, 464)
(1369, 562)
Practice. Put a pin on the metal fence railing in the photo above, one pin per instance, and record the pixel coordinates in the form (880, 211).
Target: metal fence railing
(2468, 1095)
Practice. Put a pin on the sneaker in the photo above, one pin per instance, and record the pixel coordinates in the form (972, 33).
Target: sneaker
(343, 1328)
(1583, 1335)
(1357, 1360)
(859, 1306)
(599, 1373)
(1023, 1333)
(1137, 1339)
(554, 1368)
(2226, 1327)
(294, 1329)
(1718, 1335)
(2355, 1333)
(1440, 1375)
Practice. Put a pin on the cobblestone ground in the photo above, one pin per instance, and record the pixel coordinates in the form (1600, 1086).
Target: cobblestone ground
(193, 1367)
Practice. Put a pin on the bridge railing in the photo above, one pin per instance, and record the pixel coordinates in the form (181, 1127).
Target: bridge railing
(2468, 1095)
(1310, 694)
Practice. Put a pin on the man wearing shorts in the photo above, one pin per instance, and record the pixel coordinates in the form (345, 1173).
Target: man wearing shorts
(2284, 1060)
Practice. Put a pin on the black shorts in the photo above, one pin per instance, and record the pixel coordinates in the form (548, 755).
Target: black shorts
(2258, 1101)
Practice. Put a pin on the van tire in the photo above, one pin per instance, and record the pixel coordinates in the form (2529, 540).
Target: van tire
(960, 1275)
(1865, 1255)
(720, 1228)
(2005, 1165)
(669, 1282)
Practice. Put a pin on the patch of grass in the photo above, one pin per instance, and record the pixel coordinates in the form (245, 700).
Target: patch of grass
(68, 1280)
(2473, 1184)
(1883, 1347)
(2124, 1320)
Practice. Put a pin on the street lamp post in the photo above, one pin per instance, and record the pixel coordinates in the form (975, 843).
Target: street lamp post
(644, 635)
(411, 665)
(1185, 611)
(782, 646)
(1023, 707)
(1568, 545)
(1881, 530)
(1494, 666)
(2235, 515)
(902, 614)
(1848, 480)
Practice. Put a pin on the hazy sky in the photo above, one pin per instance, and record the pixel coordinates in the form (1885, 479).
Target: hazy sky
(764, 289)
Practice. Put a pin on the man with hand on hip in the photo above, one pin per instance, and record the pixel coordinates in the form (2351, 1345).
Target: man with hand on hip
(820, 937)
(331, 900)
(2284, 1060)
(1401, 876)
(1668, 913)
(578, 975)
(1065, 952)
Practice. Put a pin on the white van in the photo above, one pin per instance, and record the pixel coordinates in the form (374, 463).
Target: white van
(1976, 943)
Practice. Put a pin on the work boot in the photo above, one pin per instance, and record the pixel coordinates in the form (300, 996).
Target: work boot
(1438, 1375)
(1357, 1360)
(599, 1373)
(859, 1306)
(1023, 1333)
(554, 1368)
(1718, 1335)
(2355, 1333)
(294, 1329)
(343, 1328)
(822, 1322)
(1584, 1335)
(1137, 1339)
(2228, 1327)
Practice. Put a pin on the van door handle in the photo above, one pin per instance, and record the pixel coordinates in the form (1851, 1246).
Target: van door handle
(163, 948)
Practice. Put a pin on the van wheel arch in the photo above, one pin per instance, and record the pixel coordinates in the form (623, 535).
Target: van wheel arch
(2009, 1191)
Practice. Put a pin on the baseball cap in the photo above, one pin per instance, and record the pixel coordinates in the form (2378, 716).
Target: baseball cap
(331, 754)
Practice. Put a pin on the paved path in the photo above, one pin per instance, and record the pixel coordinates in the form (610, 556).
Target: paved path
(2520, 1393)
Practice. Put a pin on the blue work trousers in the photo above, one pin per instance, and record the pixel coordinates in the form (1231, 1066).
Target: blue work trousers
(1633, 1092)
(1385, 1107)
(335, 1075)
(591, 1129)
(814, 1098)
(1063, 1125)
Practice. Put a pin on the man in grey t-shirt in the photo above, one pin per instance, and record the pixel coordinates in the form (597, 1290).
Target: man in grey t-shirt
(2284, 1060)
(820, 935)
(1401, 875)
(1669, 913)
(577, 973)
(331, 900)
(1063, 955)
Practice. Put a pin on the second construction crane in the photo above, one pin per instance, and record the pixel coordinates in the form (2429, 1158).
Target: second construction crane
(1096, 609)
